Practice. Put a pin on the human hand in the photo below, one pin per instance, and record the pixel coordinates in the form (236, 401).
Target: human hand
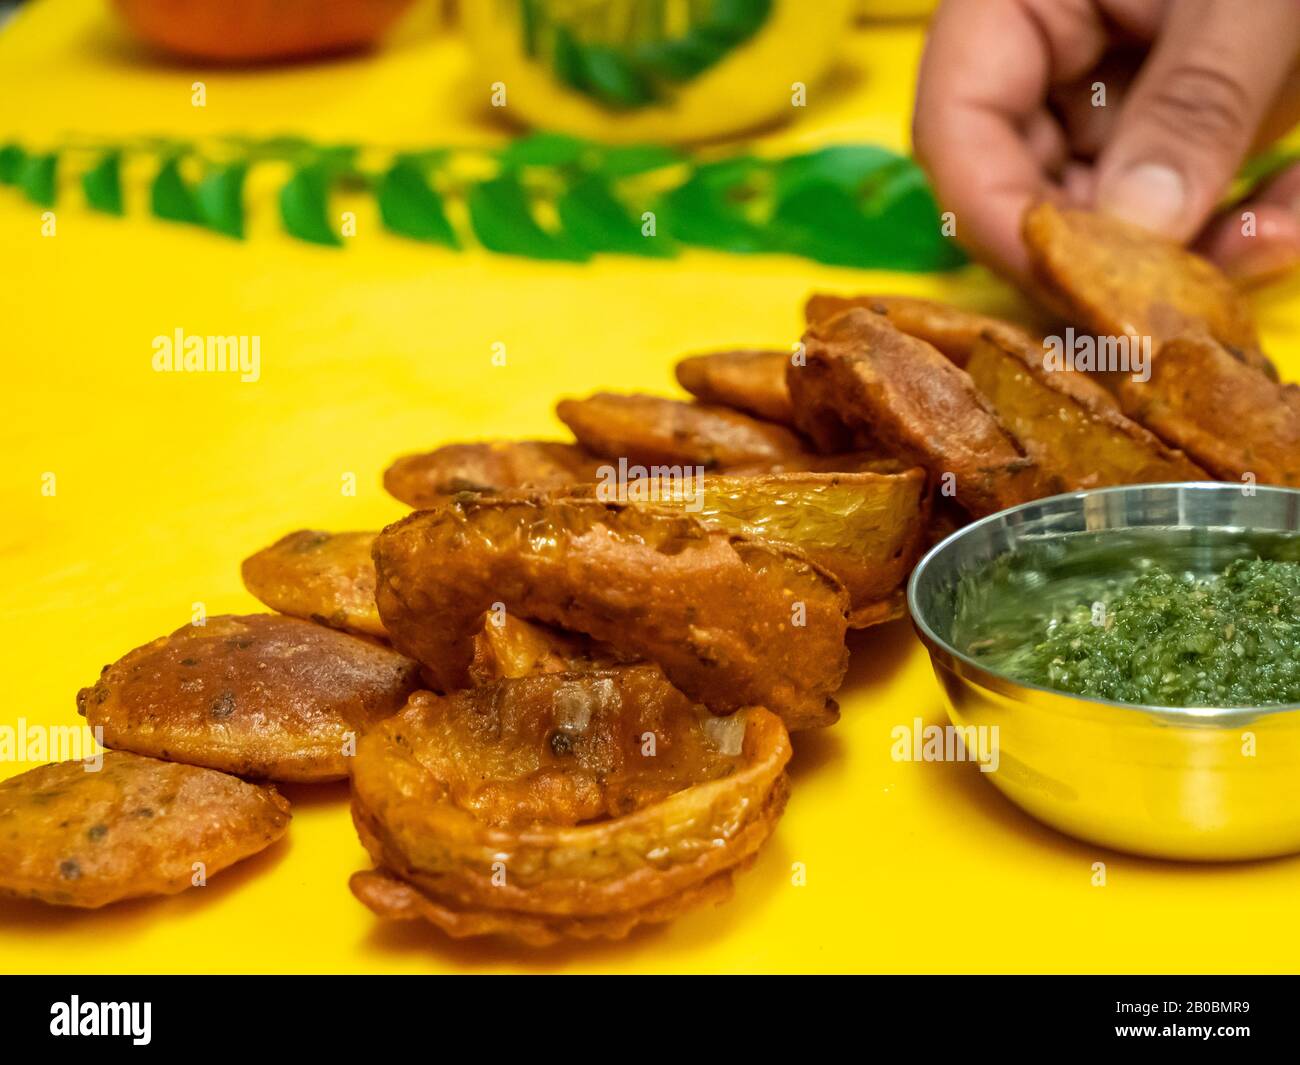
(1143, 109)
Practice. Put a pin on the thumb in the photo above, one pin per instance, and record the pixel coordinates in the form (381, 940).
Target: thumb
(1191, 116)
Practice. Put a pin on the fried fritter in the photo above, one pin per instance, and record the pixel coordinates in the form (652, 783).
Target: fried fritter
(1226, 415)
(865, 528)
(950, 330)
(563, 805)
(749, 381)
(134, 827)
(1070, 425)
(733, 621)
(262, 696)
(325, 577)
(655, 429)
(498, 466)
(868, 384)
(1118, 279)
(508, 646)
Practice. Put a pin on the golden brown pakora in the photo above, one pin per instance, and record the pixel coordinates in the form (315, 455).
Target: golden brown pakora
(950, 330)
(748, 381)
(488, 468)
(865, 528)
(565, 805)
(262, 696)
(1069, 425)
(659, 430)
(325, 577)
(1228, 416)
(135, 826)
(866, 384)
(733, 621)
(1118, 279)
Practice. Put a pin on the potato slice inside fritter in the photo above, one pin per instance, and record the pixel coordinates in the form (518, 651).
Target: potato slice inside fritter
(492, 467)
(865, 528)
(565, 804)
(1118, 279)
(868, 385)
(1228, 416)
(1075, 435)
(950, 330)
(733, 621)
(748, 381)
(324, 577)
(136, 826)
(659, 430)
(262, 696)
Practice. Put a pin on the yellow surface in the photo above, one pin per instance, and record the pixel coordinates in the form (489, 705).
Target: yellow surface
(164, 482)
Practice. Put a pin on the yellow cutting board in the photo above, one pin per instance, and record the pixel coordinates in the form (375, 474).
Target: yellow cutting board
(164, 482)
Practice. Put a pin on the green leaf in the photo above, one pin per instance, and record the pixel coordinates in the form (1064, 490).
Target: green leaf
(103, 184)
(740, 18)
(304, 206)
(11, 161)
(38, 177)
(566, 59)
(544, 149)
(613, 79)
(220, 199)
(409, 207)
(626, 160)
(683, 58)
(708, 209)
(847, 166)
(170, 197)
(594, 218)
(530, 21)
(896, 226)
(503, 222)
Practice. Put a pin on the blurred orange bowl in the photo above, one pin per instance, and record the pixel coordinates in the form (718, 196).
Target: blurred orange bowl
(252, 30)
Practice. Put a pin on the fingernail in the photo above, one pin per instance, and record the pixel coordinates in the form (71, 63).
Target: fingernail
(1150, 195)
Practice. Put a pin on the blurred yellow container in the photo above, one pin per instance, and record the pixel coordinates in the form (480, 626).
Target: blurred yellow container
(653, 70)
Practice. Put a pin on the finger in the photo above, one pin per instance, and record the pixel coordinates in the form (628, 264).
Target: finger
(1258, 239)
(1089, 108)
(1194, 109)
(984, 75)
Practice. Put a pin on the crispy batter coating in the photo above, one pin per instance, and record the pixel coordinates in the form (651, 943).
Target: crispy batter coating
(325, 577)
(1226, 415)
(508, 646)
(867, 383)
(1118, 279)
(563, 805)
(865, 528)
(262, 696)
(1076, 436)
(749, 381)
(655, 429)
(134, 827)
(426, 480)
(951, 330)
(733, 621)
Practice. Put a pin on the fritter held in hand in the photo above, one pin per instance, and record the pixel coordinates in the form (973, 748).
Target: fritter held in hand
(563, 806)
(325, 577)
(494, 467)
(261, 696)
(1117, 279)
(136, 826)
(733, 621)
(866, 384)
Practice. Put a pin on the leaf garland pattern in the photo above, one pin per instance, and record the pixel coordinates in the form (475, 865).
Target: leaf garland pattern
(547, 196)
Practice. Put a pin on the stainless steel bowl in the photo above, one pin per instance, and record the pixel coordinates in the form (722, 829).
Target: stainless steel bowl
(1199, 783)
